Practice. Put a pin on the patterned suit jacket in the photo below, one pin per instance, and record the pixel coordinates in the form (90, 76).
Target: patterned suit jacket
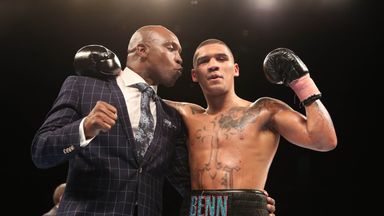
(106, 177)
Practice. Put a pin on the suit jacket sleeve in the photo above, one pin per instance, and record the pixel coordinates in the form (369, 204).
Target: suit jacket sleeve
(58, 139)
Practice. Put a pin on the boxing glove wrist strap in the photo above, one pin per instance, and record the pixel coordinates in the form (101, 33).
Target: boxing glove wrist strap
(305, 89)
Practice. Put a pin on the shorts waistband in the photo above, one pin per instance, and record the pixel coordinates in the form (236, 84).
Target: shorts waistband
(227, 191)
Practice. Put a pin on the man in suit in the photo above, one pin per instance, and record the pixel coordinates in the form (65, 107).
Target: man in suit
(92, 125)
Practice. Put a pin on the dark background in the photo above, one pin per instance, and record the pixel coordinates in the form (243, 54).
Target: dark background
(338, 40)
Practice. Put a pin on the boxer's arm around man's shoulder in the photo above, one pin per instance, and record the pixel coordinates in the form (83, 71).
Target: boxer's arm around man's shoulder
(185, 108)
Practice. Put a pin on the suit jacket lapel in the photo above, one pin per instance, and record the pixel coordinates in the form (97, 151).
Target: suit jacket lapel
(123, 115)
(155, 145)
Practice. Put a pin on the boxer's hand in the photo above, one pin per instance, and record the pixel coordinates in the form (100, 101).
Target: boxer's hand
(101, 119)
(96, 61)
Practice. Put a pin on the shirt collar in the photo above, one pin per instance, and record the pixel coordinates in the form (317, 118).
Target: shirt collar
(130, 77)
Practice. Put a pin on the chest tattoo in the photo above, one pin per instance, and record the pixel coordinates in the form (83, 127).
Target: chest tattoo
(223, 127)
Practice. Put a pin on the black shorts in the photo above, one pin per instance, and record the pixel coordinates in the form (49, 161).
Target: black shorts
(225, 203)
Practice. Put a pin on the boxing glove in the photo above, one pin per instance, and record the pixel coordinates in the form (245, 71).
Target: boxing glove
(283, 66)
(96, 61)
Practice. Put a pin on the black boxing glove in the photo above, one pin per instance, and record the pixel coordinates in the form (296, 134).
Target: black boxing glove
(96, 61)
(283, 66)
